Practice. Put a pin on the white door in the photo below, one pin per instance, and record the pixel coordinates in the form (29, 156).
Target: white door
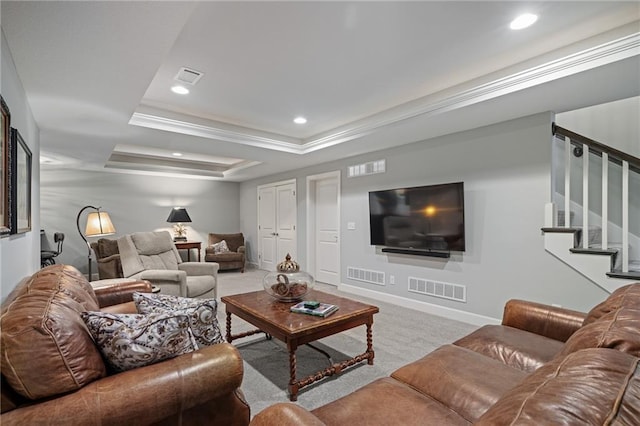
(327, 230)
(267, 228)
(286, 220)
(277, 220)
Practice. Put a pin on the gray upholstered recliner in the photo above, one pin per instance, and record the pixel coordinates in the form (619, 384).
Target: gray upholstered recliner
(152, 256)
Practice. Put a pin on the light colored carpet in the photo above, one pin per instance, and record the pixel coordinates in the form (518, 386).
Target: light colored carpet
(400, 336)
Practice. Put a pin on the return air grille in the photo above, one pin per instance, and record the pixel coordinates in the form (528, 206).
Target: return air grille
(369, 168)
(438, 289)
(365, 275)
(188, 76)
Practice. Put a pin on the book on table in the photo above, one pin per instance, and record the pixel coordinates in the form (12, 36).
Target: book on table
(323, 309)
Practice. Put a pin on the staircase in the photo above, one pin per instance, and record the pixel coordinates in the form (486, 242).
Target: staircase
(599, 187)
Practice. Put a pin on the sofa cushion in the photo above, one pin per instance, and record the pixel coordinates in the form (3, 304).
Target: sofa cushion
(229, 256)
(201, 313)
(457, 377)
(591, 386)
(129, 341)
(45, 347)
(615, 330)
(514, 347)
(626, 296)
(387, 402)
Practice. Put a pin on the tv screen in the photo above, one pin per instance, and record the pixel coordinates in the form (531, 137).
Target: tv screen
(418, 218)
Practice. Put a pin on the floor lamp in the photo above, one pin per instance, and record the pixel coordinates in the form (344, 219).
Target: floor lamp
(98, 225)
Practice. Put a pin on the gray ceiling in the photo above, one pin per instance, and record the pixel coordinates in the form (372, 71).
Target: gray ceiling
(367, 75)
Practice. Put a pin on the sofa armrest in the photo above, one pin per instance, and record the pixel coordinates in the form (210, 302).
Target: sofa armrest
(199, 268)
(285, 414)
(160, 275)
(549, 321)
(242, 249)
(114, 292)
(145, 395)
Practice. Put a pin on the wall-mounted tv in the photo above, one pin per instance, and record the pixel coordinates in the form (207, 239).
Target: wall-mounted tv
(421, 219)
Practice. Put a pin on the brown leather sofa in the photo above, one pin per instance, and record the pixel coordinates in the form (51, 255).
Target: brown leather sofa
(52, 372)
(235, 258)
(542, 366)
(108, 258)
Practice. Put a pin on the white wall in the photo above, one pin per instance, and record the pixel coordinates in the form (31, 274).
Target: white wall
(20, 254)
(135, 203)
(616, 124)
(506, 171)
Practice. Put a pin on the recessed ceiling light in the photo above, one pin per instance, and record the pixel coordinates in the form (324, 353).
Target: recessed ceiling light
(180, 90)
(299, 120)
(523, 21)
(177, 154)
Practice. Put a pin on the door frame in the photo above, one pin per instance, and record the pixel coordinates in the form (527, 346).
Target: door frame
(267, 185)
(311, 219)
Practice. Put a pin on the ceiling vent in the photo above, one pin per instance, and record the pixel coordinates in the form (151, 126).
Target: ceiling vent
(188, 76)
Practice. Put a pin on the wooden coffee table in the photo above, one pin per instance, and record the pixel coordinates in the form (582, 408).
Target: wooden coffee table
(274, 318)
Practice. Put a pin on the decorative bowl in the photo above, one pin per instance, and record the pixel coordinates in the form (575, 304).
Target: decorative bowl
(288, 283)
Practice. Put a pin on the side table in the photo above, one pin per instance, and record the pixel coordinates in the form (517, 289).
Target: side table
(188, 245)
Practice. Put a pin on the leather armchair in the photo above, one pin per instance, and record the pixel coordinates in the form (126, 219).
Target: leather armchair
(152, 256)
(235, 258)
(46, 347)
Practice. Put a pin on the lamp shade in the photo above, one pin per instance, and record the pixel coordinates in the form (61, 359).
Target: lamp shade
(99, 224)
(179, 215)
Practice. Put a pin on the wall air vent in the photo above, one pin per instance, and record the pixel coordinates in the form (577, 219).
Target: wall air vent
(188, 76)
(437, 289)
(365, 275)
(369, 168)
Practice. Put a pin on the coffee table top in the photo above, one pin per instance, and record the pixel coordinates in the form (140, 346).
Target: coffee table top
(262, 306)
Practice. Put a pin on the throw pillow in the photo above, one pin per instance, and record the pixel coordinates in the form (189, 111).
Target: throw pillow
(220, 247)
(130, 341)
(201, 313)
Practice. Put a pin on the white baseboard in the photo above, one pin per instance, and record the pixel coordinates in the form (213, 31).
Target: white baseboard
(253, 265)
(429, 308)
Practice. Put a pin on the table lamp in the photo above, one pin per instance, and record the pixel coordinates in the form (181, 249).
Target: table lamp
(98, 225)
(178, 216)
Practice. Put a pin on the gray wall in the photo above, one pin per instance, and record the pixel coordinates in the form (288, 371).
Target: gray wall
(506, 171)
(20, 254)
(134, 203)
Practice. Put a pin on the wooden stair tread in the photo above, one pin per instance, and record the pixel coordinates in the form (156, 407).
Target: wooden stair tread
(594, 251)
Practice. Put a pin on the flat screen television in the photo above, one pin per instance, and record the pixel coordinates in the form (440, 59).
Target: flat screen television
(420, 219)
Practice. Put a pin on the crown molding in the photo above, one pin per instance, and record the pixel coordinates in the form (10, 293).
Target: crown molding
(603, 54)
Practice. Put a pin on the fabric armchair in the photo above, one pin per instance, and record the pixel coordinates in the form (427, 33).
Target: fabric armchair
(235, 258)
(108, 258)
(152, 256)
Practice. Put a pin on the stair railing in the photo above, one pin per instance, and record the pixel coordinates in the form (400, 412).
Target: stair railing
(608, 154)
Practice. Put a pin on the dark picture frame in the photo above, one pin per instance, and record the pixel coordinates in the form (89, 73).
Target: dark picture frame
(20, 180)
(5, 135)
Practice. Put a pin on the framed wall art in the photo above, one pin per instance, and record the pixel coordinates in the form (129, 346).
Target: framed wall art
(20, 179)
(5, 210)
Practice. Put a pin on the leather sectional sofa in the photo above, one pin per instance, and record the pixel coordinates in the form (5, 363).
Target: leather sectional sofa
(542, 366)
(53, 374)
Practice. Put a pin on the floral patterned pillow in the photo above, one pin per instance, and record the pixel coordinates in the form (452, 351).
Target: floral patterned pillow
(129, 341)
(220, 247)
(201, 313)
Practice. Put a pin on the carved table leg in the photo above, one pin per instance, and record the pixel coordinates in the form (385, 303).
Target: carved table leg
(370, 344)
(229, 338)
(293, 385)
